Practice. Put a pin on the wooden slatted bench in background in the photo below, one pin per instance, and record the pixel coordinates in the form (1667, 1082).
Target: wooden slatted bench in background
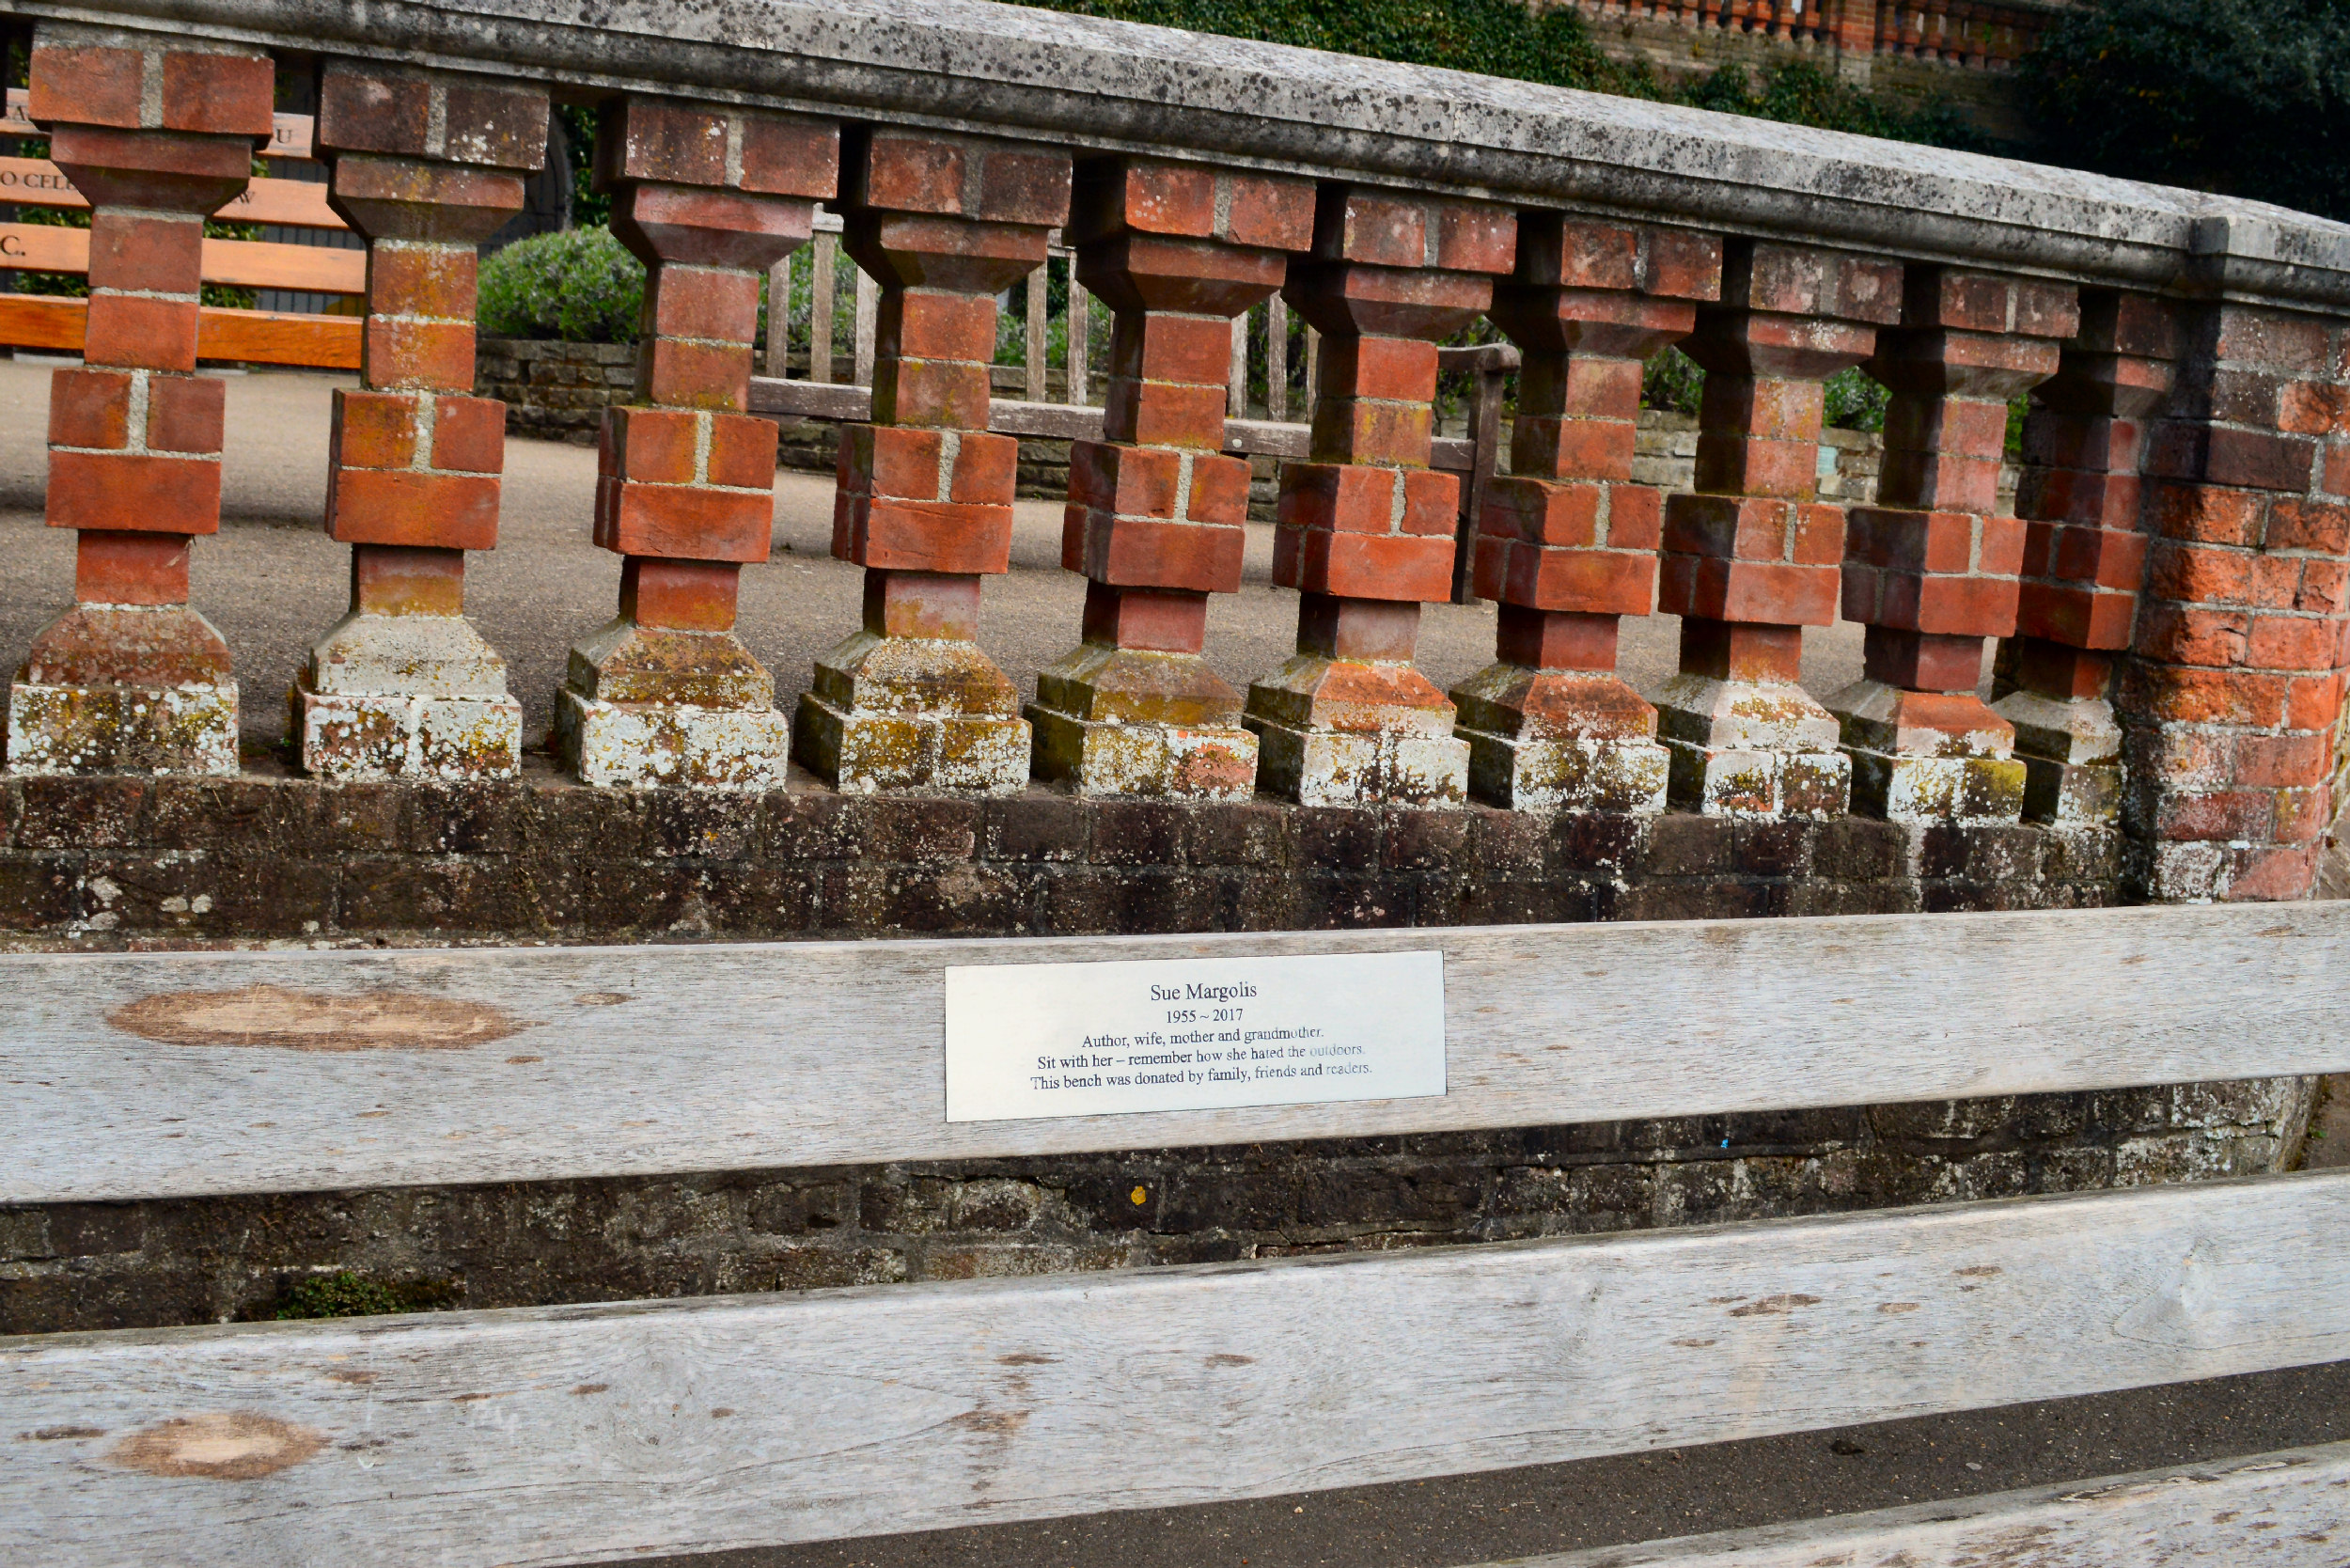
(594, 1433)
(54, 323)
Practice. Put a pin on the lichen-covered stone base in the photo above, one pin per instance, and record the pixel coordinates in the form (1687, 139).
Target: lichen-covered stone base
(913, 713)
(2072, 755)
(639, 746)
(405, 696)
(1568, 774)
(1141, 724)
(1347, 732)
(1543, 740)
(1921, 757)
(1139, 760)
(1761, 749)
(406, 737)
(643, 706)
(162, 730)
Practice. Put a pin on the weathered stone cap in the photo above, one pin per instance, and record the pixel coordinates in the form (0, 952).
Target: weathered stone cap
(974, 66)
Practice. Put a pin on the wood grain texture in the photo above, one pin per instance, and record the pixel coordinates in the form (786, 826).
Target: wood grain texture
(625, 1061)
(297, 203)
(255, 337)
(2285, 1510)
(560, 1435)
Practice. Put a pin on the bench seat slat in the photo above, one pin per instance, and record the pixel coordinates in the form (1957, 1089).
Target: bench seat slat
(618, 1061)
(553, 1435)
(2290, 1509)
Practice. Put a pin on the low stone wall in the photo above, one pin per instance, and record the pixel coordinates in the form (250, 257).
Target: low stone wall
(555, 391)
(122, 862)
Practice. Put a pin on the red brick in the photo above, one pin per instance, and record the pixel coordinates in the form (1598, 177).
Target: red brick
(986, 469)
(1565, 515)
(2276, 581)
(912, 173)
(2266, 875)
(1219, 490)
(655, 138)
(184, 414)
(697, 375)
(932, 393)
(143, 334)
(131, 569)
(892, 459)
(2219, 814)
(653, 446)
(1431, 503)
(2199, 575)
(704, 302)
(926, 536)
(1165, 198)
(685, 596)
(696, 227)
(146, 251)
(1269, 210)
(378, 505)
(129, 492)
(373, 429)
(743, 451)
(365, 110)
(1336, 496)
(434, 280)
(2325, 587)
(1164, 414)
(469, 435)
(2207, 514)
(1148, 553)
(2286, 761)
(1476, 238)
(958, 327)
(2292, 642)
(1400, 369)
(1196, 351)
(1382, 230)
(1392, 567)
(2319, 525)
(783, 156)
(1346, 429)
(2078, 617)
(90, 408)
(1756, 593)
(687, 522)
(1025, 185)
(86, 86)
(2295, 344)
(2259, 461)
(218, 94)
(426, 355)
(2338, 470)
(494, 124)
(1585, 582)
(388, 579)
(2185, 696)
(2245, 397)
(2303, 815)
(1130, 481)
(2186, 635)
(2314, 703)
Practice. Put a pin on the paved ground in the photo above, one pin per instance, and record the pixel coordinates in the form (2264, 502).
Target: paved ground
(271, 582)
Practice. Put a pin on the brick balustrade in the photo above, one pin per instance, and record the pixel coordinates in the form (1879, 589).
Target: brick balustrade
(2168, 601)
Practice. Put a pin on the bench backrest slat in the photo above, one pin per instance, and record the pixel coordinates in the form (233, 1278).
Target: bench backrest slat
(579, 1434)
(616, 1061)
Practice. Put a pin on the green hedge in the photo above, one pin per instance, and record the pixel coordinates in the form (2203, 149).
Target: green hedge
(579, 286)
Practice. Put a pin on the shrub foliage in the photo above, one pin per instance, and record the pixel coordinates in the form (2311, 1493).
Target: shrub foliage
(2247, 97)
(578, 286)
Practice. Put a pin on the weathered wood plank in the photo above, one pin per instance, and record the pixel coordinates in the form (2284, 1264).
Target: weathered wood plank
(578, 1434)
(258, 337)
(297, 203)
(126, 1079)
(2285, 1510)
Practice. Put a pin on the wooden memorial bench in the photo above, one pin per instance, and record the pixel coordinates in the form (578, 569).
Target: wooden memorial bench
(593, 1433)
(54, 323)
